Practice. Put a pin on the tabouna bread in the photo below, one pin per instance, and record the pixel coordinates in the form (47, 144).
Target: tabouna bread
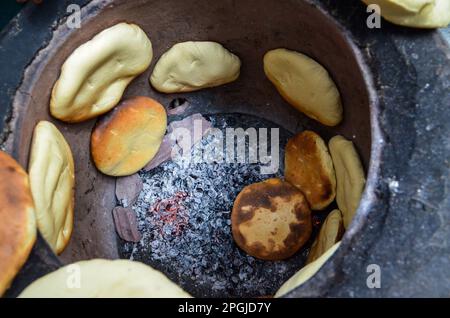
(306, 272)
(100, 278)
(415, 13)
(95, 75)
(305, 84)
(349, 175)
(126, 139)
(18, 224)
(52, 178)
(271, 220)
(330, 233)
(308, 166)
(190, 66)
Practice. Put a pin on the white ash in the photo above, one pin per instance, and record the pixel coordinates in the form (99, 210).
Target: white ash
(203, 258)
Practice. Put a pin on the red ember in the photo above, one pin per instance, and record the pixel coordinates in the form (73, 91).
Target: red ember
(170, 214)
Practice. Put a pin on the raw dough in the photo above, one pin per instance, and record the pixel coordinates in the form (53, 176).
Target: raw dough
(190, 66)
(349, 175)
(52, 179)
(95, 75)
(305, 84)
(100, 278)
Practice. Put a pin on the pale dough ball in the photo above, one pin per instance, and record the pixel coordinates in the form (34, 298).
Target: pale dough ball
(305, 84)
(100, 278)
(52, 178)
(349, 175)
(415, 13)
(190, 66)
(95, 75)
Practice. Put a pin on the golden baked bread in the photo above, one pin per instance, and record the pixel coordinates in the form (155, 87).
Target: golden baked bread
(305, 84)
(99, 278)
(330, 233)
(349, 175)
(52, 179)
(415, 13)
(126, 139)
(18, 224)
(306, 272)
(190, 66)
(271, 220)
(308, 166)
(95, 75)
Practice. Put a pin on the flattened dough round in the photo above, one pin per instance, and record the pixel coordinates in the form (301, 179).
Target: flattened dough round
(101, 278)
(415, 13)
(308, 166)
(306, 272)
(305, 84)
(349, 175)
(18, 223)
(330, 233)
(271, 220)
(52, 178)
(95, 75)
(127, 138)
(190, 66)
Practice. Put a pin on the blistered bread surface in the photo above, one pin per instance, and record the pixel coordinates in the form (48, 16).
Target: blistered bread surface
(271, 220)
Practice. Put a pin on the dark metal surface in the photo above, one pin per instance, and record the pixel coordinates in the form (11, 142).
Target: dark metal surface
(403, 222)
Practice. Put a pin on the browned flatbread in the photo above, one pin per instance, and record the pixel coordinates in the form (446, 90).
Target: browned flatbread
(308, 166)
(18, 224)
(271, 220)
(128, 137)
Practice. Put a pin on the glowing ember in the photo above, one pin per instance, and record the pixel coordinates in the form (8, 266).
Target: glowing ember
(316, 221)
(170, 215)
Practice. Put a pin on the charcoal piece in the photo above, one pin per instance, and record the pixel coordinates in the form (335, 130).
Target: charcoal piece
(126, 224)
(164, 153)
(128, 189)
(196, 125)
(178, 107)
